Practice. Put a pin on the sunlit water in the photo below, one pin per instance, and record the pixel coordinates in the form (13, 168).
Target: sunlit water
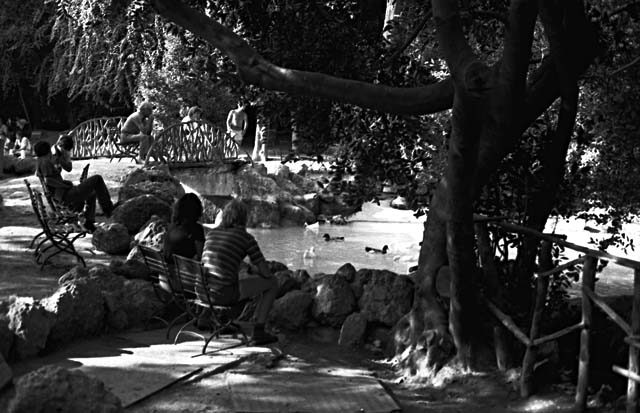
(288, 245)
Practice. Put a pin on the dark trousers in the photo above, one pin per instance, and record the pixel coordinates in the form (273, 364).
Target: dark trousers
(86, 193)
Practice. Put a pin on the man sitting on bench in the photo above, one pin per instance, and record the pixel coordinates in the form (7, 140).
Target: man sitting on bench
(137, 129)
(73, 196)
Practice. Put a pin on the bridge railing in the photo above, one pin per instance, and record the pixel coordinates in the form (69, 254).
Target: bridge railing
(192, 143)
(531, 338)
(95, 138)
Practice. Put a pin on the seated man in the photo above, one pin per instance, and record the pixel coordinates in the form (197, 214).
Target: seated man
(237, 123)
(137, 129)
(73, 196)
(224, 249)
(61, 153)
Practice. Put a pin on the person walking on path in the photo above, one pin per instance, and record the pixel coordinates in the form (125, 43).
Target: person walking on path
(224, 249)
(138, 128)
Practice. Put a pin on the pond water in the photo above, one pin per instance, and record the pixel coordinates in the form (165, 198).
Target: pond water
(288, 245)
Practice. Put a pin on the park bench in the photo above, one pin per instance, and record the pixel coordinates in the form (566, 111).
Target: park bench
(198, 286)
(166, 286)
(56, 234)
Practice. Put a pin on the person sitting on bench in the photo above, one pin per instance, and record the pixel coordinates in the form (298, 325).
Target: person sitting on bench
(138, 128)
(61, 153)
(224, 249)
(73, 196)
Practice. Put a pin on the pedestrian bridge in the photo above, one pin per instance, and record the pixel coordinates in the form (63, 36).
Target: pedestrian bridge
(188, 144)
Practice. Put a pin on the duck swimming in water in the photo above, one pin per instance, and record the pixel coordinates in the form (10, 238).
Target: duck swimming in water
(328, 238)
(372, 250)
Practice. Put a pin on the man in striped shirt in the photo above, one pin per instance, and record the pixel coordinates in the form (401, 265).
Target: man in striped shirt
(224, 249)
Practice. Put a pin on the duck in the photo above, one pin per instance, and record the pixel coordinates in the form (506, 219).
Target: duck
(328, 238)
(372, 250)
(312, 227)
(310, 253)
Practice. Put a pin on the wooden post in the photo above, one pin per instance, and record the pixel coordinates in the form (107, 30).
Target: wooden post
(632, 385)
(588, 281)
(542, 286)
(494, 289)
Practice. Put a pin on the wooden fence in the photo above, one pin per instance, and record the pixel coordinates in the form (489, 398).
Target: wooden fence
(95, 138)
(589, 297)
(195, 143)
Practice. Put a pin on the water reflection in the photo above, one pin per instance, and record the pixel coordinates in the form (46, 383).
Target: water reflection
(288, 246)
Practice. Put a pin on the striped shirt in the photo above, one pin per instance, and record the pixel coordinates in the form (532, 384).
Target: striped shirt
(224, 250)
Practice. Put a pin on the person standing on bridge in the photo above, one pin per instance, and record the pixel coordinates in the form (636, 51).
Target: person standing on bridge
(237, 122)
(138, 128)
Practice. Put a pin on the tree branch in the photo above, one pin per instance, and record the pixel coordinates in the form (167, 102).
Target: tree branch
(625, 67)
(255, 69)
(455, 48)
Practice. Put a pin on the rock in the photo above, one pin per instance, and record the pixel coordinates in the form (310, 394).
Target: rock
(324, 334)
(309, 201)
(386, 297)
(283, 172)
(275, 266)
(352, 331)
(152, 233)
(361, 277)
(135, 212)
(25, 166)
(131, 269)
(55, 389)
(168, 191)
(262, 212)
(30, 324)
(111, 238)
(333, 301)
(75, 273)
(382, 338)
(6, 375)
(139, 301)
(77, 310)
(6, 336)
(399, 202)
(301, 276)
(292, 310)
(295, 215)
(347, 271)
(138, 175)
(286, 282)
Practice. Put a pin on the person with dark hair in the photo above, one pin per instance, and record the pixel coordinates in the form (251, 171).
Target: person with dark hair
(224, 249)
(193, 114)
(61, 153)
(185, 236)
(76, 197)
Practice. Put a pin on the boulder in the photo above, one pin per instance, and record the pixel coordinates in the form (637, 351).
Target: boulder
(262, 212)
(55, 389)
(347, 271)
(168, 191)
(275, 266)
(386, 297)
(30, 324)
(381, 337)
(292, 310)
(111, 238)
(136, 212)
(75, 273)
(6, 374)
(361, 277)
(286, 282)
(6, 336)
(139, 301)
(309, 201)
(333, 301)
(24, 166)
(131, 269)
(157, 174)
(77, 310)
(352, 331)
(301, 276)
(152, 233)
(324, 334)
(295, 215)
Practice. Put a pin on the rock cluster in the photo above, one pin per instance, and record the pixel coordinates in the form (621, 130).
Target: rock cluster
(352, 306)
